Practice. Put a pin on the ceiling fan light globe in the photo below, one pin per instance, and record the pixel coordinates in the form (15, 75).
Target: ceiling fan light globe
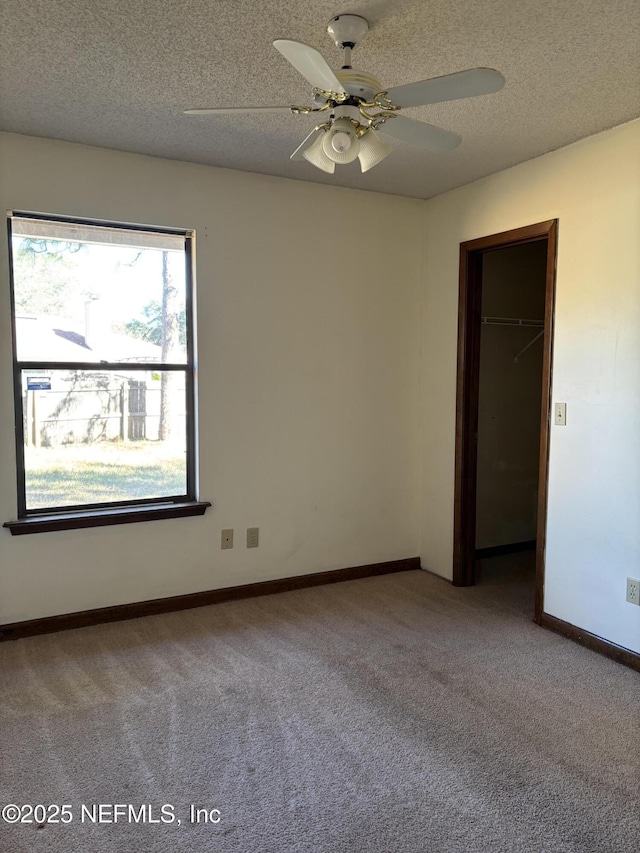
(341, 127)
(315, 154)
(341, 142)
(372, 150)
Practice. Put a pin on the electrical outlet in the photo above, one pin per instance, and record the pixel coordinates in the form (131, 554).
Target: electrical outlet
(227, 538)
(633, 591)
(252, 537)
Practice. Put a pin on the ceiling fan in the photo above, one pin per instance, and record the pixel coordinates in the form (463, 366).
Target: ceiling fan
(357, 106)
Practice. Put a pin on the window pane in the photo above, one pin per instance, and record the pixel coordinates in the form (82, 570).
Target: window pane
(107, 436)
(92, 293)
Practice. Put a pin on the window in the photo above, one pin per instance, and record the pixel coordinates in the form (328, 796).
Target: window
(103, 372)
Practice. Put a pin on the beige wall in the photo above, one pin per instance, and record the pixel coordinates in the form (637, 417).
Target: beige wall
(308, 379)
(593, 543)
(513, 285)
(316, 365)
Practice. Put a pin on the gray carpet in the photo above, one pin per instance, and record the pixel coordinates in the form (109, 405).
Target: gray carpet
(387, 714)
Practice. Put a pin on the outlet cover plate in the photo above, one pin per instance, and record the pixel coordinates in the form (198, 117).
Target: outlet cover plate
(633, 591)
(560, 414)
(253, 537)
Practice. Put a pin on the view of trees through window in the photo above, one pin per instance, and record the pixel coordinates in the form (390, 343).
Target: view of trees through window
(102, 372)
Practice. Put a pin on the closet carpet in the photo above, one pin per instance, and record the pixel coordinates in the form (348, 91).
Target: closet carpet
(394, 714)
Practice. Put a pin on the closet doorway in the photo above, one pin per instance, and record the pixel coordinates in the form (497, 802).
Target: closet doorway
(505, 340)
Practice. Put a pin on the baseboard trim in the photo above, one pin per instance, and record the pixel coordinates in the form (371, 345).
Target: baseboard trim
(591, 641)
(119, 612)
(499, 550)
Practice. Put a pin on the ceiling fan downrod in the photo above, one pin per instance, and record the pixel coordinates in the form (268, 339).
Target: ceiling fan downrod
(346, 31)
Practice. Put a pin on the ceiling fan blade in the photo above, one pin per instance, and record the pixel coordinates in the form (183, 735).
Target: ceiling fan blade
(420, 133)
(451, 87)
(298, 154)
(226, 110)
(310, 63)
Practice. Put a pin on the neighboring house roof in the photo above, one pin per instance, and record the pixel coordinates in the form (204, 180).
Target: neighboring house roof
(57, 339)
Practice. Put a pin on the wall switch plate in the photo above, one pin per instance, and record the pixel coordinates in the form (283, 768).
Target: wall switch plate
(253, 537)
(560, 410)
(227, 538)
(633, 591)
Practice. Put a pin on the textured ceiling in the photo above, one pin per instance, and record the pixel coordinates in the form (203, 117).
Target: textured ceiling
(118, 74)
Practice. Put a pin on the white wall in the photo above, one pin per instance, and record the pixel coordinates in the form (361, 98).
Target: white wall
(308, 302)
(593, 533)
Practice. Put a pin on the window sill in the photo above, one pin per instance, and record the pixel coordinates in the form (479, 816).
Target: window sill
(104, 517)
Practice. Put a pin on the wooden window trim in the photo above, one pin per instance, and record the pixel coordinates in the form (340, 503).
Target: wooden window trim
(105, 517)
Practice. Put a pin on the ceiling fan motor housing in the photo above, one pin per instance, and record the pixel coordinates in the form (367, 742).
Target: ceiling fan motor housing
(359, 84)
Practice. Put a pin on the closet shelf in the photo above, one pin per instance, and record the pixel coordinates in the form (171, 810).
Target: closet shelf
(512, 321)
(517, 321)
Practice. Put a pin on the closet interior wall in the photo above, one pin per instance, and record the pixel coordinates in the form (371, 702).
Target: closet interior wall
(510, 388)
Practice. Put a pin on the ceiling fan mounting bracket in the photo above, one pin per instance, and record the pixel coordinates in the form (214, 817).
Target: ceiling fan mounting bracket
(347, 30)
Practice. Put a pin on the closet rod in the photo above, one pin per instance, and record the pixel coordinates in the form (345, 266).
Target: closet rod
(512, 321)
